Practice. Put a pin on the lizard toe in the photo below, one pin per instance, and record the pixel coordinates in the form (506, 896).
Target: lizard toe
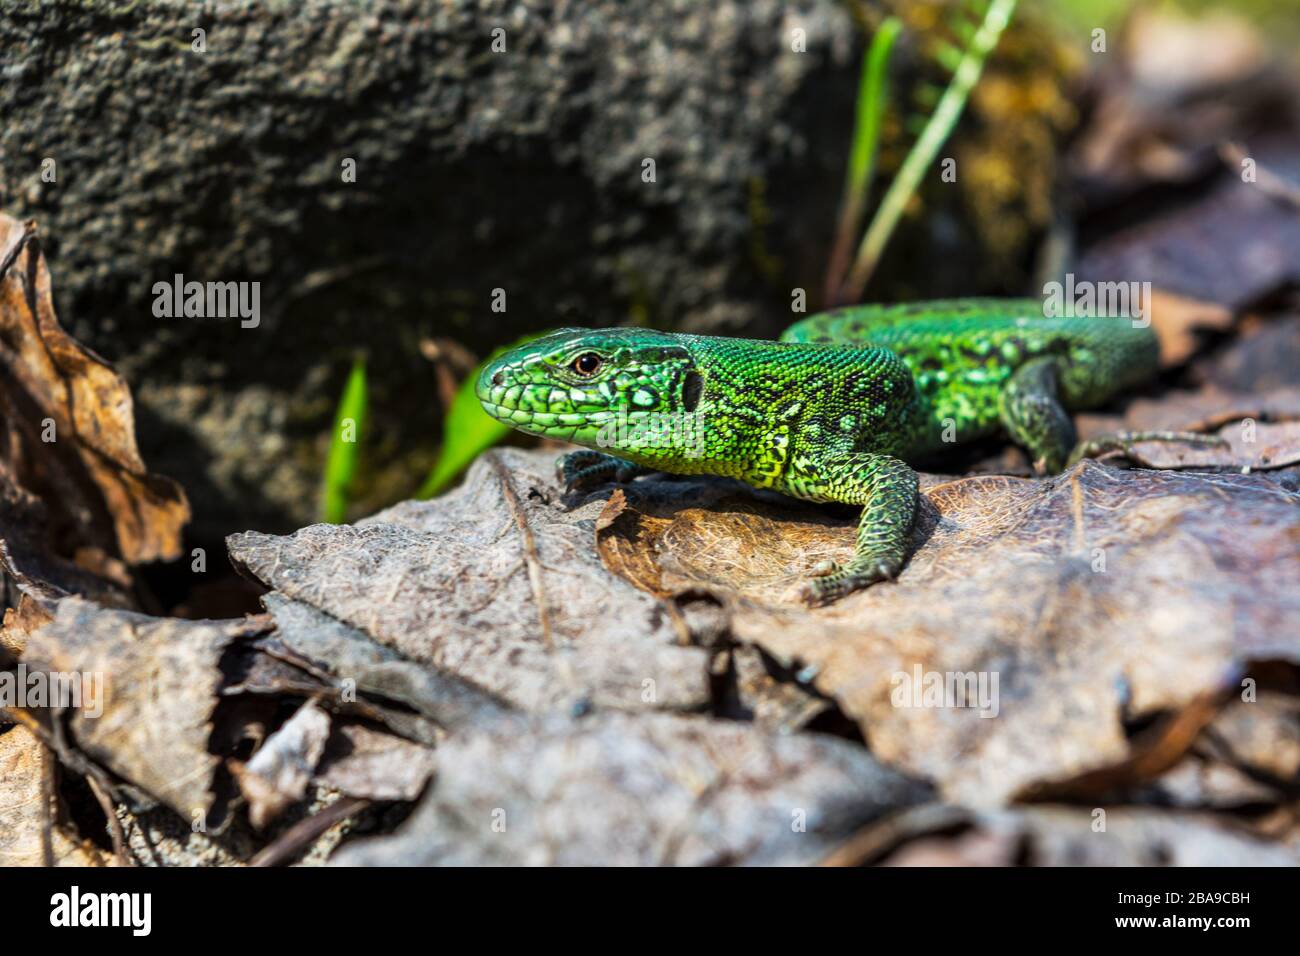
(824, 567)
(815, 592)
(829, 588)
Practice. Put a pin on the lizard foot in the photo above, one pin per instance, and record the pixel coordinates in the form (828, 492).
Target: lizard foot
(586, 469)
(1124, 442)
(832, 584)
(823, 568)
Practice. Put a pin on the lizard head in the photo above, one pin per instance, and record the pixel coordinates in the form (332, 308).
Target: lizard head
(578, 384)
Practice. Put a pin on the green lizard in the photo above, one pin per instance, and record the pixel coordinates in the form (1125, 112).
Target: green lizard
(833, 411)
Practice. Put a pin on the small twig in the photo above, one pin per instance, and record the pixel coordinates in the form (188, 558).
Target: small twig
(1268, 182)
(531, 558)
(678, 620)
(114, 824)
(298, 836)
(47, 806)
(452, 364)
(875, 841)
(322, 278)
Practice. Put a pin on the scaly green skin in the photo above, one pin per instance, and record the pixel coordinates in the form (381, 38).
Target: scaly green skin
(831, 412)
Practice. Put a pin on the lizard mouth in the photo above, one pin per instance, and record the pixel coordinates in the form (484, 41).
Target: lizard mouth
(506, 413)
(551, 424)
(524, 405)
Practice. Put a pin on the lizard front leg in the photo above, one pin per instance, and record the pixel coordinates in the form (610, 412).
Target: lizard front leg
(587, 469)
(887, 489)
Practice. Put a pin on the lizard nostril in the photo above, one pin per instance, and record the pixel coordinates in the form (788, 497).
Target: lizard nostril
(499, 378)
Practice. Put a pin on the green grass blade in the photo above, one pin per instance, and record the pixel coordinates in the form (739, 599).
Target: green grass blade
(872, 83)
(922, 154)
(345, 445)
(871, 103)
(467, 430)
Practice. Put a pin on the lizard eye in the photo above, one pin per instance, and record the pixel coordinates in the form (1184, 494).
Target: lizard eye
(586, 364)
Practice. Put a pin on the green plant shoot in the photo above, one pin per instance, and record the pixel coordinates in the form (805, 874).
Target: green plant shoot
(345, 445)
(965, 75)
(467, 430)
(872, 96)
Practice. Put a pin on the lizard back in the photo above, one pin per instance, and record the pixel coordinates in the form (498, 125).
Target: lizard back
(962, 353)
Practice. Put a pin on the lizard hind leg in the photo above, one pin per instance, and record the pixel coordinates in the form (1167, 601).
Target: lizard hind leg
(887, 489)
(1031, 411)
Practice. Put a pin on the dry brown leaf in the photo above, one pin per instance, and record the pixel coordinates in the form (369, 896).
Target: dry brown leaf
(1232, 245)
(674, 536)
(643, 789)
(376, 766)
(157, 681)
(1249, 757)
(348, 655)
(779, 706)
(1176, 320)
(495, 583)
(96, 490)
(278, 774)
(1180, 86)
(19, 622)
(1068, 836)
(1092, 597)
(1256, 446)
(1151, 754)
(24, 816)
(1208, 409)
(29, 557)
(1260, 431)
(1263, 357)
